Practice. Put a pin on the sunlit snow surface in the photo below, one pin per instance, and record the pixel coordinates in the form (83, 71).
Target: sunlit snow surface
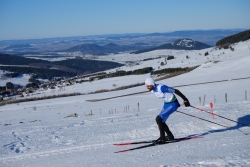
(38, 134)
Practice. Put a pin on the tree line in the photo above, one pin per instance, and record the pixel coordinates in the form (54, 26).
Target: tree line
(172, 70)
(66, 68)
(123, 73)
(225, 42)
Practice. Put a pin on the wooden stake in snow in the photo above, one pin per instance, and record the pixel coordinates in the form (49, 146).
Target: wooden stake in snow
(226, 97)
(245, 94)
(204, 100)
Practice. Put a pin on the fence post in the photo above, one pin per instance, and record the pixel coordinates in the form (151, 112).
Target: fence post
(200, 100)
(226, 97)
(214, 99)
(204, 100)
(138, 107)
(245, 94)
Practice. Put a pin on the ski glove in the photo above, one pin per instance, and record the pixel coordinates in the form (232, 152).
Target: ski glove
(186, 103)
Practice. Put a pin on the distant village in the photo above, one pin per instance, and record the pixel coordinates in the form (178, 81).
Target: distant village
(56, 83)
(60, 83)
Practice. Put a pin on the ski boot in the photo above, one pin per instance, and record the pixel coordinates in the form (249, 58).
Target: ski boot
(160, 140)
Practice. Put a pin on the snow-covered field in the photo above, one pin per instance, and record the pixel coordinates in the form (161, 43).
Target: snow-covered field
(20, 80)
(38, 134)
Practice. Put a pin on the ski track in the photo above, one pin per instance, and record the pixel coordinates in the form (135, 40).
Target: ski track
(56, 141)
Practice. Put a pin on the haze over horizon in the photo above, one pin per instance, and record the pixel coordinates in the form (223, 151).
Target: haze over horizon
(29, 19)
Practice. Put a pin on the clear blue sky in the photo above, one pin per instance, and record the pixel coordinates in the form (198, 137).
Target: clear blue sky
(31, 19)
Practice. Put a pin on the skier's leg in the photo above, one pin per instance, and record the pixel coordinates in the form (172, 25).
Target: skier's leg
(169, 133)
(167, 110)
(161, 128)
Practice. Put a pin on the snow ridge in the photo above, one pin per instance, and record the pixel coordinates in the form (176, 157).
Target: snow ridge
(185, 43)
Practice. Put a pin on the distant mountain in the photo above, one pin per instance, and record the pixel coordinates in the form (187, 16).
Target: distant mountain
(188, 33)
(95, 49)
(111, 45)
(86, 48)
(126, 42)
(187, 44)
(181, 44)
(141, 44)
(21, 46)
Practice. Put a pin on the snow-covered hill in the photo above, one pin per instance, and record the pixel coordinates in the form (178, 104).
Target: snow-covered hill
(189, 43)
(38, 134)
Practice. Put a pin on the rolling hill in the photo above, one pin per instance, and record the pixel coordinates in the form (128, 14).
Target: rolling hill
(181, 44)
(95, 49)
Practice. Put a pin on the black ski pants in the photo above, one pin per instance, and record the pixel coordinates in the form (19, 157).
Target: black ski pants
(163, 128)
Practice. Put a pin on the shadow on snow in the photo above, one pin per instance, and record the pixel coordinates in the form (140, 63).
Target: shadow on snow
(243, 120)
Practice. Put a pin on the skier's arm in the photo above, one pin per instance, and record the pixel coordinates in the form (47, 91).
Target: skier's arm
(186, 101)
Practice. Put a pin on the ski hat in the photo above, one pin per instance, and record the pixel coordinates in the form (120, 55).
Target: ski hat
(150, 81)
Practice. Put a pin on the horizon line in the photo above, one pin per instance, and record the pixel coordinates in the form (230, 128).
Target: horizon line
(121, 34)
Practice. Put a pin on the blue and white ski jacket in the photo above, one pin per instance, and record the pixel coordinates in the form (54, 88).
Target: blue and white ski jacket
(164, 92)
(170, 101)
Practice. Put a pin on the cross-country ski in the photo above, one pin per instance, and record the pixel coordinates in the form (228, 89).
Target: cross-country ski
(153, 143)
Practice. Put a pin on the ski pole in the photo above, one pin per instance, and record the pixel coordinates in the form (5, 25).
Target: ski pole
(203, 119)
(219, 116)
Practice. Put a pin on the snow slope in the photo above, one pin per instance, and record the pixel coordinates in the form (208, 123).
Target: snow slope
(38, 134)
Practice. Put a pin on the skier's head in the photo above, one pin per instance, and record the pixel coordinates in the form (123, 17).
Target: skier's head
(150, 83)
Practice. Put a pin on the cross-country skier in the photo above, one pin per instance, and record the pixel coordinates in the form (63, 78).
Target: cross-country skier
(167, 94)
